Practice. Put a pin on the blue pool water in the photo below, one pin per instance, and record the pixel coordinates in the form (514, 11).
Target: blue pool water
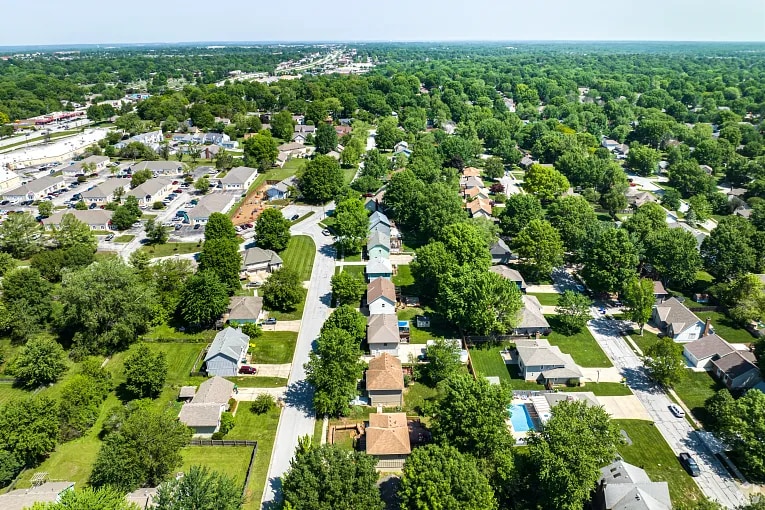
(520, 418)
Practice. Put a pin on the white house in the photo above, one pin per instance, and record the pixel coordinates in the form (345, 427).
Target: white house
(381, 297)
(679, 323)
(36, 189)
(539, 361)
(701, 352)
(226, 353)
(153, 190)
(382, 334)
(239, 178)
(402, 148)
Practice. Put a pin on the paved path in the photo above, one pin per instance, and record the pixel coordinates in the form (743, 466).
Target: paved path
(270, 370)
(250, 394)
(283, 326)
(297, 418)
(715, 481)
(625, 407)
(603, 374)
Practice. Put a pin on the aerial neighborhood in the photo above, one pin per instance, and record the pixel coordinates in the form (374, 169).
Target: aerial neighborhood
(383, 276)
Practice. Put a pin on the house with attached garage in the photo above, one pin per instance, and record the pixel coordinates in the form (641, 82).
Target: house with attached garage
(701, 352)
(257, 259)
(501, 252)
(153, 190)
(383, 334)
(203, 413)
(227, 353)
(239, 178)
(511, 274)
(378, 246)
(402, 148)
(381, 228)
(539, 361)
(381, 297)
(531, 320)
(385, 381)
(678, 322)
(480, 208)
(379, 268)
(245, 309)
(623, 486)
(387, 437)
(736, 369)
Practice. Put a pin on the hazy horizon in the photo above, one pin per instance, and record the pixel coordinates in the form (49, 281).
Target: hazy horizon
(84, 22)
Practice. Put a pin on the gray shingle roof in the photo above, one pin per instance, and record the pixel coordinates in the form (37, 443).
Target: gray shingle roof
(200, 415)
(254, 256)
(378, 239)
(629, 488)
(150, 187)
(509, 273)
(531, 315)
(379, 266)
(708, 346)
(215, 390)
(245, 308)
(238, 175)
(382, 328)
(229, 343)
(673, 312)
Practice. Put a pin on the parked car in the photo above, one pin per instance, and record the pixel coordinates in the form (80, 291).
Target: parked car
(270, 321)
(675, 409)
(294, 217)
(689, 463)
(178, 226)
(326, 232)
(196, 226)
(93, 205)
(246, 369)
(110, 237)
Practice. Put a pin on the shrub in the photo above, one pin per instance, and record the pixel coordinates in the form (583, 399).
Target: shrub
(157, 205)
(263, 403)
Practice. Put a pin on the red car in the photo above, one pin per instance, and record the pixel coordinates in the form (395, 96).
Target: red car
(246, 369)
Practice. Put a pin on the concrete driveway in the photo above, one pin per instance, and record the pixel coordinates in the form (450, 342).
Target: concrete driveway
(268, 370)
(626, 407)
(603, 374)
(715, 481)
(283, 326)
(250, 394)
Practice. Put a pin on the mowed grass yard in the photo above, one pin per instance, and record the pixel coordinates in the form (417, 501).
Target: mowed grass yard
(439, 327)
(168, 249)
(299, 256)
(651, 452)
(694, 391)
(274, 347)
(229, 460)
(546, 299)
(581, 346)
(726, 328)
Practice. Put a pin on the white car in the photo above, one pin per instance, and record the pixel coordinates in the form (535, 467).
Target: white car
(675, 409)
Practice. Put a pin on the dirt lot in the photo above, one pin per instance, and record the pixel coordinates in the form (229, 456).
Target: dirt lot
(253, 205)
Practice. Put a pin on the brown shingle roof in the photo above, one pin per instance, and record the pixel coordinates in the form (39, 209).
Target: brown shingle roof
(673, 312)
(215, 390)
(384, 373)
(736, 363)
(388, 434)
(708, 346)
(245, 308)
(381, 287)
(382, 329)
(479, 205)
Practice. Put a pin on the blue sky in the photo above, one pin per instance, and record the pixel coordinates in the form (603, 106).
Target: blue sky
(132, 21)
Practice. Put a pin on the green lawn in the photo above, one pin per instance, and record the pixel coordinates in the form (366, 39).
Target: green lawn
(289, 169)
(439, 327)
(650, 452)
(645, 341)
(352, 257)
(305, 216)
(261, 428)
(604, 389)
(547, 299)
(259, 382)
(581, 346)
(487, 361)
(126, 238)
(292, 315)
(8, 392)
(403, 276)
(299, 256)
(229, 460)
(355, 270)
(726, 328)
(695, 389)
(348, 174)
(165, 333)
(166, 250)
(274, 347)
(415, 397)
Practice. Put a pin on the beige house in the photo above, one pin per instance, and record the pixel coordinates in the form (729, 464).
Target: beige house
(96, 219)
(385, 381)
(153, 190)
(203, 413)
(387, 436)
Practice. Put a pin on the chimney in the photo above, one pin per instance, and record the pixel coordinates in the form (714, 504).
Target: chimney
(707, 327)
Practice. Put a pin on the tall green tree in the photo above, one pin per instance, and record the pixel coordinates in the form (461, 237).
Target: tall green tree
(443, 361)
(612, 260)
(39, 362)
(156, 232)
(545, 182)
(442, 477)
(145, 372)
(283, 290)
(573, 311)
(327, 476)
(665, 362)
(203, 300)
(728, 251)
(519, 210)
(222, 258)
(325, 139)
(81, 399)
(642, 159)
(272, 230)
(539, 246)
(219, 226)
(73, 232)
(29, 428)
(143, 452)
(574, 219)
(639, 299)
(261, 151)
(351, 225)
(348, 319)
(347, 288)
(334, 368)
(21, 235)
(202, 489)
(282, 125)
(105, 498)
(568, 451)
(674, 255)
(28, 301)
(320, 180)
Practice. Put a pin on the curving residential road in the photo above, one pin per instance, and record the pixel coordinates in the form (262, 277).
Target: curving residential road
(715, 482)
(298, 418)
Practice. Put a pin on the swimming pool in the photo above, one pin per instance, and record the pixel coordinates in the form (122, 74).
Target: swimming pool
(520, 418)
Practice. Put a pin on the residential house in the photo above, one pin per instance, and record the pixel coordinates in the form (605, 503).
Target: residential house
(8, 179)
(621, 151)
(96, 219)
(539, 361)
(211, 203)
(698, 235)
(239, 178)
(526, 161)
(387, 437)
(383, 334)
(209, 151)
(36, 189)
(298, 119)
(203, 413)
(402, 148)
(476, 193)
(48, 492)
(501, 253)
(159, 168)
(151, 139)
(296, 150)
(377, 218)
(701, 352)
(381, 297)
(106, 191)
(281, 190)
(677, 322)
(467, 183)
(609, 144)
(511, 274)
(480, 208)
(245, 309)
(186, 393)
(342, 131)
(383, 229)
(299, 138)
(531, 320)
(636, 198)
(659, 292)
(623, 486)
(737, 370)
(471, 171)
(76, 169)
(385, 381)
(333, 154)
(707, 169)
(144, 498)
(257, 259)
(151, 191)
(379, 268)
(449, 127)
(227, 352)
(304, 129)
(378, 246)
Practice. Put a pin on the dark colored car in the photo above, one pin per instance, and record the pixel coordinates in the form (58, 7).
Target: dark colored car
(294, 217)
(246, 369)
(196, 226)
(93, 205)
(270, 321)
(689, 463)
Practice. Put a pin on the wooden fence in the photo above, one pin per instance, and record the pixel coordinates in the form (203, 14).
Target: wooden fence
(222, 442)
